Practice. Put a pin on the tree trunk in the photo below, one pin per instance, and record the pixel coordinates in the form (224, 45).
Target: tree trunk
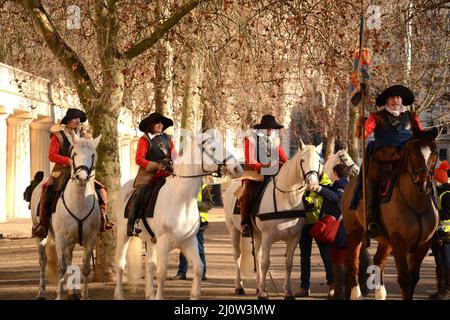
(191, 99)
(164, 79)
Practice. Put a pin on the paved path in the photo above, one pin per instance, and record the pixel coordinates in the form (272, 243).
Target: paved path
(19, 269)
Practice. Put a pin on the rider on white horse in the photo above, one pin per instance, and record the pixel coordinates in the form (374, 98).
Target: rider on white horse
(61, 143)
(154, 154)
(260, 149)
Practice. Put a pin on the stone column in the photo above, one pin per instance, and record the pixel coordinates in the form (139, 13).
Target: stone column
(39, 143)
(3, 153)
(124, 145)
(17, 165)
(133, 166)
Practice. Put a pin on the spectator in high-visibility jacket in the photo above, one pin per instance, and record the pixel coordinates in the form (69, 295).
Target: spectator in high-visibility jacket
(205, 203)
(441, 240)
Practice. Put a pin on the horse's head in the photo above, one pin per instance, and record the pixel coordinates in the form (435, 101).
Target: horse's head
(216, 158)
(311, 165)
(84, 158)
(419, 159)
(345, 159)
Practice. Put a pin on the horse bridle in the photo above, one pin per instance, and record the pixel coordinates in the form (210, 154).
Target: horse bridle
(345, 162)
(221, 167)
(305, 177)
(415, 172)
(77, 169)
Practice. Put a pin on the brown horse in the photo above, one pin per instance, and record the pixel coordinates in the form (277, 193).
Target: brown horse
(408, 220)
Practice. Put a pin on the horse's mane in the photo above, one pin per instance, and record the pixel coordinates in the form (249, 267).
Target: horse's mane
(286, 173)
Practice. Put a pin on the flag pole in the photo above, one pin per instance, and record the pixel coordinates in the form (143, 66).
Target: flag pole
(361, 114)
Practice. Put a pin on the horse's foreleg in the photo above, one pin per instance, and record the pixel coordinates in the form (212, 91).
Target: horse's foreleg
(405, 280)
(263, 265)
(68, 255)
(62, 267)
(354, 242)
(383, 251)
(86, 267)
(150, 265)
(42, 264)
(121, 262)
(290, 249)
(415, 261)
(162, 251)
(190, 250)
(235, 236)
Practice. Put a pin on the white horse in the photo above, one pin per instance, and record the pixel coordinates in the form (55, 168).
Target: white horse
(176, 217)
(299, 172)
(341, 157)
(75, 220)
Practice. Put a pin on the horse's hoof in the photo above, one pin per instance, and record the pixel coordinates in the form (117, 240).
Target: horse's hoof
(355, 294)
(380, 294)
(263, 296)
(239, 291)
(289, 298)
(40, 298)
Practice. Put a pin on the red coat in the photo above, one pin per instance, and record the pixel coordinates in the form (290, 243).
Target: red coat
(53, 152)
(371, 123)
(141, 151)
(250, 160)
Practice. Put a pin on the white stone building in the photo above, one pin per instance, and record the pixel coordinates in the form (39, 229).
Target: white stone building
(29, 107)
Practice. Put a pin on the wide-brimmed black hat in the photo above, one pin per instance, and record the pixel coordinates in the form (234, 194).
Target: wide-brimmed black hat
(268, 122)
(73, 113)
(155, 117)
(397, 90)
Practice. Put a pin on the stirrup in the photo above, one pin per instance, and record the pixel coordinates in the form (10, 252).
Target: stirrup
(135, 232)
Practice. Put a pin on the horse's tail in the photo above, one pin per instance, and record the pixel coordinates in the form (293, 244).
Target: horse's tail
(246, 260)
(52, 260)
(134, 262)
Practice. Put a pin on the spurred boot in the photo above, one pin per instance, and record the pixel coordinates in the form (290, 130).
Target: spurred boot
(244, 202)
(105, 223)
(133, 215)
(41, 230)
(373, 226)
(441, 294)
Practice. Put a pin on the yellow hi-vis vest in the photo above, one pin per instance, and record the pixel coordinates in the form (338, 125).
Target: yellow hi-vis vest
(444, 224)
(313, 198)
(203, 215)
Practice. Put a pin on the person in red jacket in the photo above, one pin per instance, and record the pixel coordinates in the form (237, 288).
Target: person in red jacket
(154, 154)
(59, 153)
(260, 149)
(392, 127)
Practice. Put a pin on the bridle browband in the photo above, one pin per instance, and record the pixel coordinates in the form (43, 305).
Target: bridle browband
(82, 167)
(305, 178)
(221, 166)
(345, 162)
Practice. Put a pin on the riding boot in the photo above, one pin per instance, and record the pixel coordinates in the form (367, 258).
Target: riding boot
(339, 281)
(105, 223)
(441, 294)
(373, 226)
(41, 230)
(245, 211)
(133, 215)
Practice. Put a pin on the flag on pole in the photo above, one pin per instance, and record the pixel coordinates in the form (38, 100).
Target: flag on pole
(361, 65)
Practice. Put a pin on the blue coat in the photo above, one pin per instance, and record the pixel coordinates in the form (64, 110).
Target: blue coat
(332, 196)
